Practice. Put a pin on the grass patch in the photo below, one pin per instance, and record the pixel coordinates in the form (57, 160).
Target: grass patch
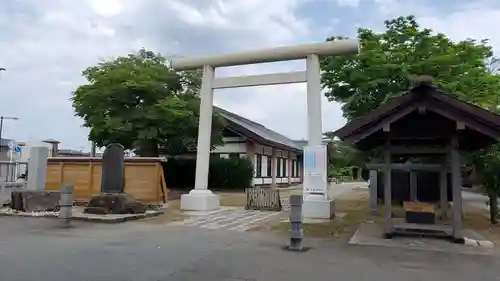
(232, 199)
(172, 214)
(354, 208)
(287, 193)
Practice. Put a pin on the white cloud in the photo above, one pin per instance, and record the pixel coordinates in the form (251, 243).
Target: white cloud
(51, 43)
(45, 46)
(107, 8)
(477, 22)
(348, 3)
(460, 20)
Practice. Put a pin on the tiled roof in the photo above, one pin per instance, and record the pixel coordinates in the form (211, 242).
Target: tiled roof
(258, 130)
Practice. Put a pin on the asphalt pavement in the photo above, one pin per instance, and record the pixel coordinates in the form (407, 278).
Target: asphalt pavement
(36, 249)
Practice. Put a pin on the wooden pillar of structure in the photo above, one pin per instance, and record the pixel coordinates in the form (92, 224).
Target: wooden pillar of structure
(373, 192)
(413, 186)
(456, 182)
(443, 187)
(273, 168)
(387, 183)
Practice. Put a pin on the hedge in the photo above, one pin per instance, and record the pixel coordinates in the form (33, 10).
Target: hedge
(227, 174)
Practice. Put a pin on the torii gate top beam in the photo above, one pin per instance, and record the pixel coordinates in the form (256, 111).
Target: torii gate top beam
(337, 47)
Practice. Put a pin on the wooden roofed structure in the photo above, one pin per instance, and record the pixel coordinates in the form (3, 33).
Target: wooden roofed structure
(424, 121)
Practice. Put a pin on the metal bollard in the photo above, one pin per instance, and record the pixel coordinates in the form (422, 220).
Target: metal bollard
(66, 204)
(296, 233)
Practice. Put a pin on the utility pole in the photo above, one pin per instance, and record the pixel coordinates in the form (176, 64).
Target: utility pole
(1, 127)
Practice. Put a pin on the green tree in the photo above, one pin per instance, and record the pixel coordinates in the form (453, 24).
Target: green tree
(391, 60)
(140, 102)
(487, 165)
(342, 157)
(487, 161)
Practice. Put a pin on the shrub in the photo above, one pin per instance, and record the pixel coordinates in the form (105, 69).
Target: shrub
(225, 174)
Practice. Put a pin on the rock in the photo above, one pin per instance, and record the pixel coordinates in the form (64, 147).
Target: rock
(114, 203)
(136, 208)
(95, 210)
(35, 200)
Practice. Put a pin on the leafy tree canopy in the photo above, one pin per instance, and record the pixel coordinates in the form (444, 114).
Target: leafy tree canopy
(140, 102)
(390, 61)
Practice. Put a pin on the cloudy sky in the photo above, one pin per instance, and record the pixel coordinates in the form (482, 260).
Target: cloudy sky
(46, 44)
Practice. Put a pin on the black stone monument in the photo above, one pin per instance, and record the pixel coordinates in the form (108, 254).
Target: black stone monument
(112, 199)
(113, 167)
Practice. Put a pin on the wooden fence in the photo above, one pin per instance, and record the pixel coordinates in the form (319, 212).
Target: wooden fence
(144, 179)
(258, 198)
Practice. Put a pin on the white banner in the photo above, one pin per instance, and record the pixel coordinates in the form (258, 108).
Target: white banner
(315, 173)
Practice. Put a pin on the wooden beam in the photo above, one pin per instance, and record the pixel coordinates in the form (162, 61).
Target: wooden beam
(476, 125)
(357, 136)
(405, 166)
(418, 150)
(259, 80)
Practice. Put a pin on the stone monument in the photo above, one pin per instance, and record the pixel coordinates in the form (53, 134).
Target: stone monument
(112, 199)
(113, 167)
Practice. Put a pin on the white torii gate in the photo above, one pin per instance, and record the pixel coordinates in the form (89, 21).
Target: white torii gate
(317, 203)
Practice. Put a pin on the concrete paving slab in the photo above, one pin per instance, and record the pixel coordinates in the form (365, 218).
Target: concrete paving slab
(370, 234)
(79, 215)
(319, 221)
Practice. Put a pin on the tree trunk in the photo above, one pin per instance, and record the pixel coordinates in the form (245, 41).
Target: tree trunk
(493, 202)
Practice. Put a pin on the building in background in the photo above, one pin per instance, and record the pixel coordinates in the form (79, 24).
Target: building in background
(74, 153)
(267, 149)
(24, 149)
(5, 149)
(245, 138)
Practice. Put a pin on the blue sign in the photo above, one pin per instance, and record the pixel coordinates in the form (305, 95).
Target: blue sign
(17, 149)
(309, 159)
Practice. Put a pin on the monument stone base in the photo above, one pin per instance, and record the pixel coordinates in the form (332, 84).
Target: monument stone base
(35, 200)
(114, 203)
(200, 200)
(318, 208)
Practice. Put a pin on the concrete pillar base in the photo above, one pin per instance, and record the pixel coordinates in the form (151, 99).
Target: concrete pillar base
(318, 208)
(200, 200)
